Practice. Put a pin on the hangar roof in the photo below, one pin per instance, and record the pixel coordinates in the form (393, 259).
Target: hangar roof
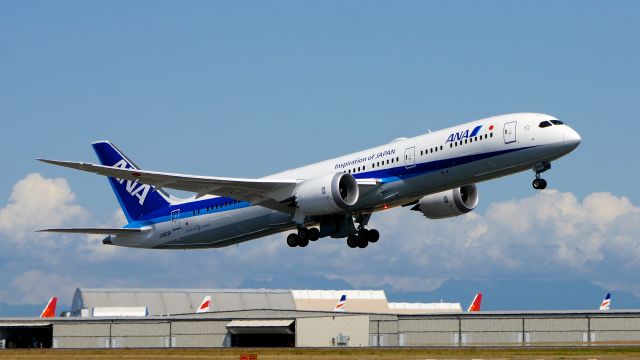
(163, 302)
(182, 301)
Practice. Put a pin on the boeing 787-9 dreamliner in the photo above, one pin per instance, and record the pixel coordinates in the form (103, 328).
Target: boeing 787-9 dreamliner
(434, 174)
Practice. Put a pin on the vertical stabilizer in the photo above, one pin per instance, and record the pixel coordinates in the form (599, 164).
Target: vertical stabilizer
(50, 310)
(205, 305)
(340, 305)
(135, 199)
(606, 302)
(476, 303)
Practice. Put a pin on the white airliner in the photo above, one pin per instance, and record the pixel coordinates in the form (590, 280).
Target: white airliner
(434, 173)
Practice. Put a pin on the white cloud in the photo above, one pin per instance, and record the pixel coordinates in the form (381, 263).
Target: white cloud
(36, 203)
(551, 234)
(36, 287)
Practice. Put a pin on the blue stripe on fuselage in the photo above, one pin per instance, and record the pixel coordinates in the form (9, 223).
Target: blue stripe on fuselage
(217, 205)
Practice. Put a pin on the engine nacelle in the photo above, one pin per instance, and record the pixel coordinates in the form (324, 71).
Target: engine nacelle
(449, 203)
(327, 194)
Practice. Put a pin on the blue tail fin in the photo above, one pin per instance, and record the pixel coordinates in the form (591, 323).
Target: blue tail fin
(136, 200)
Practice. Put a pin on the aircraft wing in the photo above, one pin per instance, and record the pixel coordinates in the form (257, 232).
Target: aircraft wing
(99, 231)
(257, 191)
(271, 193)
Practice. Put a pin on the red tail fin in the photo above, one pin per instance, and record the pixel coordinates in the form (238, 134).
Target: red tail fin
(476, 303)
(205, 305)
(50, 310)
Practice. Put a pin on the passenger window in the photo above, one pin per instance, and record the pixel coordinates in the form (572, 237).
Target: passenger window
(420, 152)
(398, 159)
(544, 124)
(440, 147)
(557, 122)
(450, 145)
(491, 135)
(465, 141)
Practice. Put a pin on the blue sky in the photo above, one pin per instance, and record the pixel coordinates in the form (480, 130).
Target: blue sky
(251, 88)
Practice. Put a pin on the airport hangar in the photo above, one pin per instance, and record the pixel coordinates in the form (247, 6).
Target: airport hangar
(302, 318)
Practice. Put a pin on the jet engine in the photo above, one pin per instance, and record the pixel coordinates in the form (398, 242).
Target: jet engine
(327, 194)
(448, 203)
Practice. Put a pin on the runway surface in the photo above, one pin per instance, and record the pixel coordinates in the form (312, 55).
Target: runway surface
(330, 354)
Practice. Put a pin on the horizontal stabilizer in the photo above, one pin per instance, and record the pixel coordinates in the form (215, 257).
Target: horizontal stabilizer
(100, 231)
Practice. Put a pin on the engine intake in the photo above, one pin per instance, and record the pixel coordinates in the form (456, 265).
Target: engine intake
(327, 194)
(449, 203)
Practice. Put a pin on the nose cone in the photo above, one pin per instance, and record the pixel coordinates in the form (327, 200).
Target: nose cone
(571, 138)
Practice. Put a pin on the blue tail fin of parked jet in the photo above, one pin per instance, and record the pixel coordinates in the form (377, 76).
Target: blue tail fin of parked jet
(136, 200)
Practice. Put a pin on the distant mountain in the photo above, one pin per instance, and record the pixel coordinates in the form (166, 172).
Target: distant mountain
(297, 282)
(521, 295)
(8, 310)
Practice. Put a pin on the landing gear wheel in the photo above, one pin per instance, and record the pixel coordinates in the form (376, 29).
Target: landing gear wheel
(362, 242)
(292, 240)
(539, 184)
(352, 241)
(314, 234)
(303, 242)
(303, 233)
(373, 235)
(363, 233)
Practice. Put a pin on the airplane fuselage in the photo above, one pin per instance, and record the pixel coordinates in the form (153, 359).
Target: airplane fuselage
(405, 169)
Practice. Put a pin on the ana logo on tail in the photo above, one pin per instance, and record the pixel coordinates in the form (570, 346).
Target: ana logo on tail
(340, 304)
(133, 187)
(204, 307)
(606, 302)
(50, 310)
(476, 303)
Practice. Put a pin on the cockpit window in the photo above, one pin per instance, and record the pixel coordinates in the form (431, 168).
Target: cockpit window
(544, 124)
(557, 122)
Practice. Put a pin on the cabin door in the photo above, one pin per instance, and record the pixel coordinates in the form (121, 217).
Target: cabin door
(175, 219)
(510, 132)
(410, 157)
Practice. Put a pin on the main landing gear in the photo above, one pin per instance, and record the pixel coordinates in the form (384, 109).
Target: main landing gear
(540, 183)
(359, 237)
(303, 237)
(363, 238)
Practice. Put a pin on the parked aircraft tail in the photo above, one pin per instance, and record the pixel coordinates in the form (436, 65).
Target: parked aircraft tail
(476, 303)
(340, 305)
(50, 310)
(205, 305)
(606, 302)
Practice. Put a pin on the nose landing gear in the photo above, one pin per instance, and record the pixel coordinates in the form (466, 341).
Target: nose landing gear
(540, 183)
